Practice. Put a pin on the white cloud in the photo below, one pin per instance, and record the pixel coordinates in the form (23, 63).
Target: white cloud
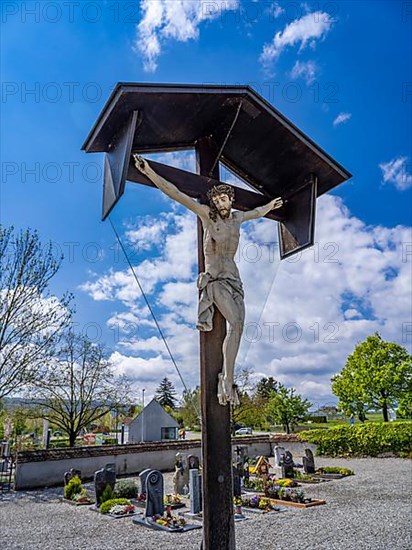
(276, 10)
(173, 19)
(304, 316)
(397, 172)
(148, 233)
(306, 70)
(342, 118)
(306, 30)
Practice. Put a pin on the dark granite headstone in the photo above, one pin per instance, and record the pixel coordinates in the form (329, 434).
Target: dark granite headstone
(308, 462)
(154, 498)
(245, 471)
(71, 473)
(102, 478)
(195, 484)
(143, 477)
(237, 488)
(287, 465)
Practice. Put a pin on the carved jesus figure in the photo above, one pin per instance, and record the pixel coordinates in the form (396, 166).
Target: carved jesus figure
(220, 284)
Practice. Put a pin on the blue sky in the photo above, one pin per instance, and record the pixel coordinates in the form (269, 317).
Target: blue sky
(341, 71)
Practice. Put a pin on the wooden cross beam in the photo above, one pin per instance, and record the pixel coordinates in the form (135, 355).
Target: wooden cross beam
(296, 217)
(197, 186)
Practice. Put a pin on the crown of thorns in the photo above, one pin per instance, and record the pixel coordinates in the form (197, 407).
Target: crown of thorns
(222, 189)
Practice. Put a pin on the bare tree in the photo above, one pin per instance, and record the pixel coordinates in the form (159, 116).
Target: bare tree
(30, 318)
(78, 386)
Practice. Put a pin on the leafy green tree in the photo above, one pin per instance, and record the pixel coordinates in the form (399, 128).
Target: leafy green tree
(190, 407)
(377, 374)
(30, 318)
(286, 407)
(405, 406)
(78, 386)
(166, 394)
(265, 387)
(247, 412)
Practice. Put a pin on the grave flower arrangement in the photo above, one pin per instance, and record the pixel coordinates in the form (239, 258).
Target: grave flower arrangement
(83, 497)
(285, 493)
(172, 499)
(260, 503)
(287, 482)
(302, 476)
(170, 521)
(75, 493)
(122, 509)
(254, 483)
(117, 507)
(335, 470)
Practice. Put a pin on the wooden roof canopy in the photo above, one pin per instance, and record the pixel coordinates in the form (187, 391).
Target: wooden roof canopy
(257, 143)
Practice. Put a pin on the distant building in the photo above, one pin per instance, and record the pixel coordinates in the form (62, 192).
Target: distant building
(153, 423)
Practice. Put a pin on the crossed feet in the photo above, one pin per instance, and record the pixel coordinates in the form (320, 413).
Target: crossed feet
(226, 391)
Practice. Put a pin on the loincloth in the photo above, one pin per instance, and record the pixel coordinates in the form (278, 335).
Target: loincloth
(206, 284)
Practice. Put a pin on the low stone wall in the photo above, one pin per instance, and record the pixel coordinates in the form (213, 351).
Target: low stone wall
(45, 468)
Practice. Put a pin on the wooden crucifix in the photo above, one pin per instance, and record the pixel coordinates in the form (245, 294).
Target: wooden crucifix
(234, 126)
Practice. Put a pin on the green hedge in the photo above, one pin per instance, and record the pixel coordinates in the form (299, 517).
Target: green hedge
(362, 440)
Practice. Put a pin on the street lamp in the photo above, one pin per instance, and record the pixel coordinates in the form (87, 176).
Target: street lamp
(143, 415)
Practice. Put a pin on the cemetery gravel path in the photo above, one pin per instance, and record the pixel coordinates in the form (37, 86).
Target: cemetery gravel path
(369, 511)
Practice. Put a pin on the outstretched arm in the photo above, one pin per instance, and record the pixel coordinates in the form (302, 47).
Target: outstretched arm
(261, 211)
(169, 189)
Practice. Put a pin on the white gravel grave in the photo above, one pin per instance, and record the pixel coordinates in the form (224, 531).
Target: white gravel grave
(371, 510)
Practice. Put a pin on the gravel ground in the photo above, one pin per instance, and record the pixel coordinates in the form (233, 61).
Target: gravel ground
(371, 510)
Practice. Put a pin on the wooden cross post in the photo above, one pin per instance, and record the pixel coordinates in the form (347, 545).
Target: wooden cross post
(218, 519)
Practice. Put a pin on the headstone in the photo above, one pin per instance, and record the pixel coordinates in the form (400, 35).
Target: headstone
(143, 477)
(102, 478)
(45, 432)
(245, 471)
(287, 465)
(237, 488)
(278, 453)
(241, 452)
(181, 475)
(308, 462)
(71, 473)
(4, 449)
(195, 483)
(192, 463)
(154, 498)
